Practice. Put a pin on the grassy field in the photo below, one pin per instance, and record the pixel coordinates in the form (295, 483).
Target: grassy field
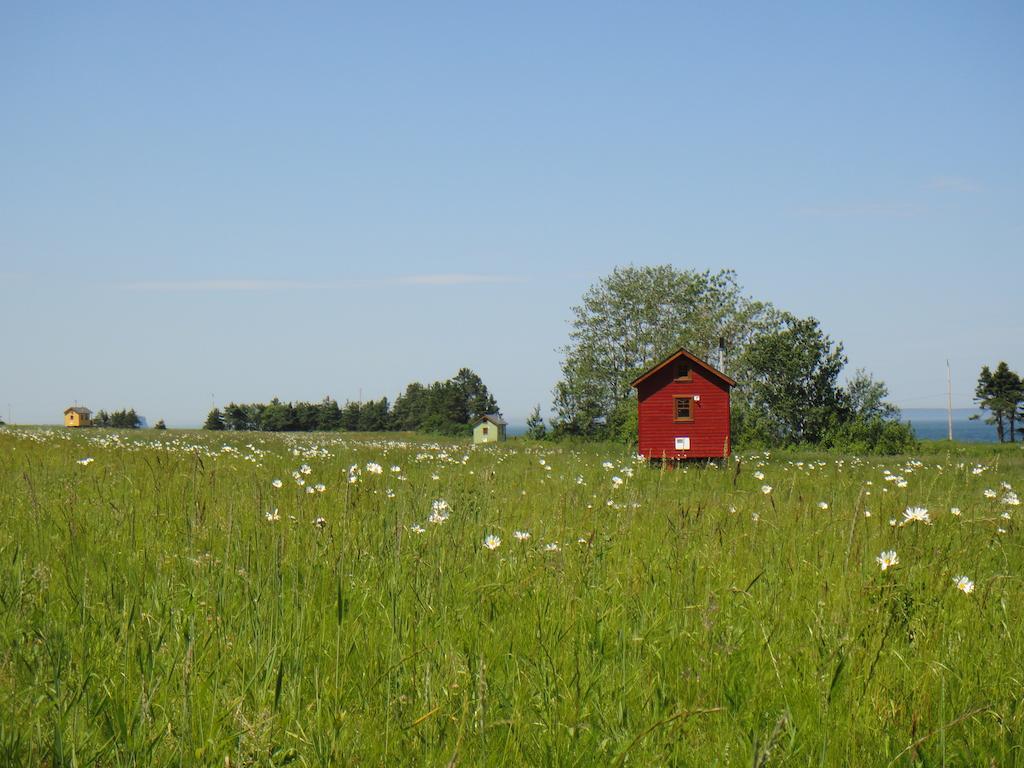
(163, 603)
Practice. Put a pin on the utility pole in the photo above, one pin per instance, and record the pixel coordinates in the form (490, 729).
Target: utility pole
(949, 401)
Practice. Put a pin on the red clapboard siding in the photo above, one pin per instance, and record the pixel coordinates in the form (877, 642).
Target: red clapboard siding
(708, 431)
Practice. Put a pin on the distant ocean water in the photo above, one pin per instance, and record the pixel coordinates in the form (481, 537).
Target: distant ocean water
(930, 424)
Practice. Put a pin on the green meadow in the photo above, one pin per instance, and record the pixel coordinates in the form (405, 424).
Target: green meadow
(404, 602)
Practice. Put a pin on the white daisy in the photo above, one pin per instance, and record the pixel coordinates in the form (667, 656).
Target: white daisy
(964, 584)
(887, 559)
(916, 515)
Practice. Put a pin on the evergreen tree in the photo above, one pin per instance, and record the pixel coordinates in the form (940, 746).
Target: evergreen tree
(214, 420)
(350, 416)
(328, 415)
(1013, 387)
(535, 428)
(374, 416)
(278, 417)
(235, 417)
(1001, 393)
(123, 419)
(160, 425)
(307, 417)
(473, 392)
(448, 403)
(411, 408)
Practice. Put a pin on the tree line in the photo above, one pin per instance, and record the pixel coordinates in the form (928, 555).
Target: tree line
(123, 419)
(791, 390)
(1001, 393)
(444, 407)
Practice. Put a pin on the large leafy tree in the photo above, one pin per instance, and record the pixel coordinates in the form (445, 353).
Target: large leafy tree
(792, 395)
(634, 317)
(865, 397)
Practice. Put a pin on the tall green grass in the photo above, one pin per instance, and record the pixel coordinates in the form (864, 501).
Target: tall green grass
(151, 614)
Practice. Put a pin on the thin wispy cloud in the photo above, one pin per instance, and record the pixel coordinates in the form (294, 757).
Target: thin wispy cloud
(216, 286)
(954, 184)
(863, 210)
(248, 285)
(457, 279)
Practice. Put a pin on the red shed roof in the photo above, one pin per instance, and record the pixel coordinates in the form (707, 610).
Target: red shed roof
(681, 352)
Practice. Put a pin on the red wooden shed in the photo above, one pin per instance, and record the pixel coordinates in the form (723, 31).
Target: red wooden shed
(683, 405)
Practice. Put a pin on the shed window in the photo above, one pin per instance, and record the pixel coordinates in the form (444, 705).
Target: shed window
(485, 430)
(682, 370)
(684, 408)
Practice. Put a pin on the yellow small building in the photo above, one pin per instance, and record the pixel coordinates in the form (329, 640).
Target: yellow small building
(489, 428)
(77, 416)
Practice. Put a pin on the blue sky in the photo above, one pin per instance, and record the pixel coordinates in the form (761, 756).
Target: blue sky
(243, 200)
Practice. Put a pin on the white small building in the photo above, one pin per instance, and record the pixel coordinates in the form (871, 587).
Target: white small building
(489, 428)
